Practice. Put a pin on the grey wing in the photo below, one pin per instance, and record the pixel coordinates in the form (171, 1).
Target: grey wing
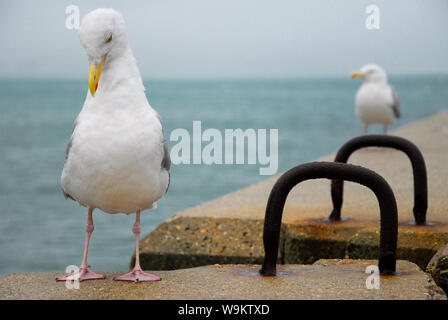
(67, 153)
(395, 104)
(70, 142)
(166, 160)
(67, 150)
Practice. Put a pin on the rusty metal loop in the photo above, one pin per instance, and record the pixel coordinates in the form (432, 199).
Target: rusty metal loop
(374, 140)
(331, 170)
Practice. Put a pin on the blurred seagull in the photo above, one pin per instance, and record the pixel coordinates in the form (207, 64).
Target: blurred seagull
(376, 101)
(117, 159)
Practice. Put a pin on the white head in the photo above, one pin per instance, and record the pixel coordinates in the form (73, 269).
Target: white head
(103, 35)
(371, 73)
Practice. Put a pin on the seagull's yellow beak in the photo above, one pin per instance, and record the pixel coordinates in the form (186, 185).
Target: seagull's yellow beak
(357, 74)
(94, 75)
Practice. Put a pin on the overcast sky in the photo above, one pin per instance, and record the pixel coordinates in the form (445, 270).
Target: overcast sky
(233, 38)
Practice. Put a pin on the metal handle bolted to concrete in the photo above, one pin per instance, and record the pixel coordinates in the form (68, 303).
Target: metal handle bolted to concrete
(373, 140)
(331, 170)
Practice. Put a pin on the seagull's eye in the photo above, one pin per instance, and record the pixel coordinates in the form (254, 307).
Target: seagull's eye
(109, 40)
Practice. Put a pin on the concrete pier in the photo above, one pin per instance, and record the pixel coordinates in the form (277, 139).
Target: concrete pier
(326, 279)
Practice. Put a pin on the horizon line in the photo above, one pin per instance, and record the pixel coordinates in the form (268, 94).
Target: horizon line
(198, 78)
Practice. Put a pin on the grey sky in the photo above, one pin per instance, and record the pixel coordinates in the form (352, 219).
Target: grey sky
(233, 38)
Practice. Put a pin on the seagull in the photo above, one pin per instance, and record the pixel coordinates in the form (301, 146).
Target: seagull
(376, 101)
(117, 158)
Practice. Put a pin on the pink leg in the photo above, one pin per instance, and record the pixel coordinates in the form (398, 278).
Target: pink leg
(137, 274)
(366, 126)
(385, 129)
(84, 273)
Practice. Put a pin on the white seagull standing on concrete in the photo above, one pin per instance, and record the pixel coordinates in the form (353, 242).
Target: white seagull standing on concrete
(117, 159)
(376, 101)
